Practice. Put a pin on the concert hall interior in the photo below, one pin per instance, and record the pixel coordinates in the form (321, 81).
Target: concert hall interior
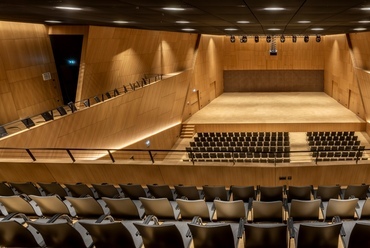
(100, 96)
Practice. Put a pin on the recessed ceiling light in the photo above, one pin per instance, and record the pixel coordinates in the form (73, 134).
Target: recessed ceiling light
(182, 22)
(173, 8)
(274, 9)
(359, 29)
(273, 29)
(188, 29)
(230, 29)
(52, 21)
(120, 22)
(365, 21)
(303, 22)
(68, 8)
(365, 8)
(317, 29)
(242, 22)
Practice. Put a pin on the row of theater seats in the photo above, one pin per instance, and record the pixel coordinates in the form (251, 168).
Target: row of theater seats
(212, 215)
(241, 138)
(243, 134)
(239, 144)
(243, 147)
(335, 146)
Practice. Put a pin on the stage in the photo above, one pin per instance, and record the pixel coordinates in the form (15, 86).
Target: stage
(283, 111)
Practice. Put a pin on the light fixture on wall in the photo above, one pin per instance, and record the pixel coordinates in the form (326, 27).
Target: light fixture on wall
(243, 39)
(256, 38)
(282, 38)
(268, 38)
(318, 38)
(232, 39)
(147, 143)
(294, 38)
(306, 38)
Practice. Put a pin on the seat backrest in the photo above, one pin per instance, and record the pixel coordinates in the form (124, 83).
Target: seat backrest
(133, 191)
(345, 209)
(212, 236)
(59, 234)
(319, 236)
(299, 193)
(265, 235)
(325, 193)
(192, 208)
(50, 205)
(122, 208)
(360, 236)
(53, 188)
(357, 191)
(159, 207)
(27, 188)
(112, 235)
(18, 204)
(305, 210)
(190, 192)
(243, 192)
(365, 212)
(160, 236)
(274, 193)
(230, 210)
(80, 189)
(267, 211)
(14, 234)
(5, 190)
(211, 192)
(161, 191)
(86, 207)
(106, 190)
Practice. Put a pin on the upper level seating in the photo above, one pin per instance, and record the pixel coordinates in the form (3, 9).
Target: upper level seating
(256, 147)
(335, 146)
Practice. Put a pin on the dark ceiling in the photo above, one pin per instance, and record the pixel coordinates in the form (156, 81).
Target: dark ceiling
(248, 17)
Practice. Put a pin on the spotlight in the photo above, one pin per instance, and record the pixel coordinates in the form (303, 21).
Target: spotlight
(306, 38)
(268, 38)
(318, 38)
(232, 39)
(294, 38)
(256, 38)
(243, 39)
(282, 38)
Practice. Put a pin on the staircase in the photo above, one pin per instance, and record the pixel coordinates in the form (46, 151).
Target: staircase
(187, 131)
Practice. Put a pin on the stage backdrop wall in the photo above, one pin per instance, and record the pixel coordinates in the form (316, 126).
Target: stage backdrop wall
(273, 80)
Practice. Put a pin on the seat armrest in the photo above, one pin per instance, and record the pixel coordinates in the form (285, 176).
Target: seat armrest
(240, 228)
(291, 228)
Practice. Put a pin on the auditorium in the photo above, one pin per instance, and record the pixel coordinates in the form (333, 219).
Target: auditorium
(187, 123)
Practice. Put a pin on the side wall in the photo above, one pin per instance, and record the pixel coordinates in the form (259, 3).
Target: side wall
(25, 53)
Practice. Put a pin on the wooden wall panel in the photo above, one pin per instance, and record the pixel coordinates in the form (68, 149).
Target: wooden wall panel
(199, 175)
(340, 82)
(207, 74)
(118, 56)
(256, 56)
(25, 54)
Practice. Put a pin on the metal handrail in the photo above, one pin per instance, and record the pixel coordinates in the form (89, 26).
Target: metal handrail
(109, 152)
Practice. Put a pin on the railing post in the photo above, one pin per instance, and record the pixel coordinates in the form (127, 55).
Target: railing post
(70, 155)
(30, 154)
(111, 156)
(151, 156)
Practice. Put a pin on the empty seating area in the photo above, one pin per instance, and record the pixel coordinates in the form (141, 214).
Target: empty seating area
(335, 146)
(132, 215)
(248, 147)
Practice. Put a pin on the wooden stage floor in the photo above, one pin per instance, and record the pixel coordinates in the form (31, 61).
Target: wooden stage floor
(286, 111)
